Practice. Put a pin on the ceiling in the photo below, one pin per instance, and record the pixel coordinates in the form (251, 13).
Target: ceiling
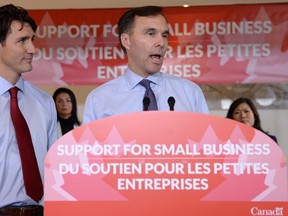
(80, 4)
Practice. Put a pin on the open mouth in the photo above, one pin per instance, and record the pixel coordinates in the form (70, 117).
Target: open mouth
(156, 58)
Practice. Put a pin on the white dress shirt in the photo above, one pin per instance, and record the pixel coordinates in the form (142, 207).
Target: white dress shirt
(124, 94)
(38, 108)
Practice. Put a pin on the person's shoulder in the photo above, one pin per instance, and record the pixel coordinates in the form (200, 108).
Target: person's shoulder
(178, 80)
(273, 138)
(35, 91)
(107, 87)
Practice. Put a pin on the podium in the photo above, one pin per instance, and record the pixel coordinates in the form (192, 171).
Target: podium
(165, 163)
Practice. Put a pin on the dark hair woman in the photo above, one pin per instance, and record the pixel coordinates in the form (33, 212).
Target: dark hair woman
(243, 110)
(66, 106)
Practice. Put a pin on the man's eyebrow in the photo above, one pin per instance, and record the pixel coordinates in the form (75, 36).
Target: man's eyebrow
(154, 29)
(166, 32)
(23, 38)
(150, 29)
(26, 37)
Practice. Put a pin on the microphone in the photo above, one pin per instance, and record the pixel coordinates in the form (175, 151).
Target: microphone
(171, 103)
(146, 102)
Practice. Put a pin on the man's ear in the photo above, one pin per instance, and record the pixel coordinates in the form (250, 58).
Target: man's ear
(125, 40)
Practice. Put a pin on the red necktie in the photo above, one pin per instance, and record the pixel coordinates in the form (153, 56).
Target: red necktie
(31, 175)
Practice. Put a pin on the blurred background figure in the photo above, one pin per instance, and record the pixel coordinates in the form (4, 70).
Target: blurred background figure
(243, 110)
(66, 107)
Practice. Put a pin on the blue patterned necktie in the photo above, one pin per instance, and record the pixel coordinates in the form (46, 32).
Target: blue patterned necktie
(150, 94)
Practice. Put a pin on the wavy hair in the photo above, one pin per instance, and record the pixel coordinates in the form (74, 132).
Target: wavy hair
(10, 13)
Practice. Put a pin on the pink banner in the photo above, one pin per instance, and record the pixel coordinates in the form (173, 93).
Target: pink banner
(165, 163)
(209, 44)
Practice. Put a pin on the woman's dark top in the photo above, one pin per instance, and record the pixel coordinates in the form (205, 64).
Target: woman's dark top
(66, 124)
(273, 137)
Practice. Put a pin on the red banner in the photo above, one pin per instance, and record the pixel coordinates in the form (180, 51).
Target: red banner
(207, 44)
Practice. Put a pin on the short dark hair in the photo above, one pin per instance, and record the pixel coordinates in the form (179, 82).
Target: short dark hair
(10, 13)
(249, 102)
(126, 22)
(73, 100)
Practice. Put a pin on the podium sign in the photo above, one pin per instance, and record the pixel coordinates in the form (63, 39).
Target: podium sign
(165, 163)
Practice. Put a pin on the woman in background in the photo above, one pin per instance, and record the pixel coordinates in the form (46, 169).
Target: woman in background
(66, 107)
(243, 110)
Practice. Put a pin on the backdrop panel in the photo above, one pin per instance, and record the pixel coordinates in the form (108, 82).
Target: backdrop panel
(208, 44)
